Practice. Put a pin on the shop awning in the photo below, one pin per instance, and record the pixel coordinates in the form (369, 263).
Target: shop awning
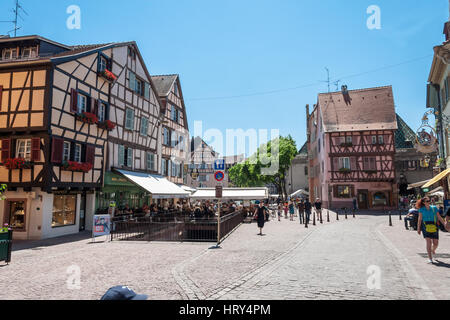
(232, 194)
(299, 192)
(188, 189)
(158, 186)
(437, 178)
(436, 192)
(417, 184)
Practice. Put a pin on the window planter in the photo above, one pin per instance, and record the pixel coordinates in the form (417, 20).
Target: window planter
(108, 75)
(345, 170)
(87, 117)
(17, 163)
(107, 125)
(347, 145)
(370, 172)
(77, 166)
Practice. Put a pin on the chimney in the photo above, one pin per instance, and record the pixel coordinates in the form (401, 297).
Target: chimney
(346, 94)
(447, 26)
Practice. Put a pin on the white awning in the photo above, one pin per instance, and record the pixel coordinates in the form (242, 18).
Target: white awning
(232, 194)
(417, 184)
(158, 186)
(188, 189)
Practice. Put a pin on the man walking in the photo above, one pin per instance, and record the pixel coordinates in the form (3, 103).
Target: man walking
(301, 211)
(318, 207)
(308, 207)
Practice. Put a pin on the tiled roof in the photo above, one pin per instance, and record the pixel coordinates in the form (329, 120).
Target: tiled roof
(361, 110)
(304, 149)
(164, 83)
(404, 136)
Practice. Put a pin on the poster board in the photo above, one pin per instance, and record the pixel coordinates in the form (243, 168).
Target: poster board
(102, 226)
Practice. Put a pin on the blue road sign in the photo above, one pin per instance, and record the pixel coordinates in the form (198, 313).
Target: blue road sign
(219, 165)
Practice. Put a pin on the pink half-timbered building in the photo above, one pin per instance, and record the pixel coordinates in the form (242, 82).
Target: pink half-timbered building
(351, 147)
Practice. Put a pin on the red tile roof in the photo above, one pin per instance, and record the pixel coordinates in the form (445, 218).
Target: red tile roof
(368, 109)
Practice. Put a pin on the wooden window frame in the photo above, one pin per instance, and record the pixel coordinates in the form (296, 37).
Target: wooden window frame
(81, 95)
(75, 152)
(18, 141)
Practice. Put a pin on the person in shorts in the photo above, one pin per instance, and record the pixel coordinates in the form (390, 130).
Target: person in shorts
(428, 225)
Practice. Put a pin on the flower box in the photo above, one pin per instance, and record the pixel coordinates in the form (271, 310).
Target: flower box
(345, 170)
(87, 117)
(77, 166)
(17, 163)
(370, 172)
(107, 125)
(108, 75)
(347, 145)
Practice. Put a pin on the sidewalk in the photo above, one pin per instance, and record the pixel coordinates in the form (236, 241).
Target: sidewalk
(413, 247)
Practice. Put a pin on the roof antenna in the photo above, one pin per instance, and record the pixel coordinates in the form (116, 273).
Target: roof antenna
(17, 15)
(328, 81)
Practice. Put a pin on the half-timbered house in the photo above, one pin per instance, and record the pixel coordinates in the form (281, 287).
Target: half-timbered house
(351, 145)
(52, 143)
(175, 130)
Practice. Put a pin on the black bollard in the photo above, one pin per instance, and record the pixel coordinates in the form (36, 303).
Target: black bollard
(337, 214)
(400, 213)
(328, 215)
(314, 219)
(306, 221)
(354, 213)
(321, 219)
(390, 219)
(345, 210)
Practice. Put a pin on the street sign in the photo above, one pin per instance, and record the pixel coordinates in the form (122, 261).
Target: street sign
(219, 165)
(219, 176)
(219, 192)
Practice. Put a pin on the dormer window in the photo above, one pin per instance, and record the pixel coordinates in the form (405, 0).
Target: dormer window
(103, 64)
(9, 54)
(29, 52)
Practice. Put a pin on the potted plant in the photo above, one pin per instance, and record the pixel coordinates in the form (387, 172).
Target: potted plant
(87, 117)
(345, 170)
(347, 144)
(108, 75)
(17, 163)
(107, 125)
(77, 166)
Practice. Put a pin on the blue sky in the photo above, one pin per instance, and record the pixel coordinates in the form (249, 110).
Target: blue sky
(245, 64)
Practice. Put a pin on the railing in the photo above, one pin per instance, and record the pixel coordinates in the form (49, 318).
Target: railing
(179, 229)
(5, 246)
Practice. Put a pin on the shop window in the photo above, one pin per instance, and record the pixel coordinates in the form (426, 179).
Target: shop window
(379, 199)
(17, 215)
(343, 191)
(64, 210)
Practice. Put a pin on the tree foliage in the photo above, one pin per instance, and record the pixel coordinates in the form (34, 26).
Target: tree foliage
(268, 165)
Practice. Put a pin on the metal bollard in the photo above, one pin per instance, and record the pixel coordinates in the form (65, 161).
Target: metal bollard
(354, 214)
(337, 214)
(390, 219)
(306, 221)
(400, 212)
(345, 210)
(328, 215)
(321, 219)
(314, 219)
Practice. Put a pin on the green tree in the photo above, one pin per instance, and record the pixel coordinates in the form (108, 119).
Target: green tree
(268, 165)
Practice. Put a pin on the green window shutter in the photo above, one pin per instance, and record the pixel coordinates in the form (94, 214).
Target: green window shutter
(144, 126)
(121, 155)
(129, 119)
(147, 90)
(130, 157)
(132, 83)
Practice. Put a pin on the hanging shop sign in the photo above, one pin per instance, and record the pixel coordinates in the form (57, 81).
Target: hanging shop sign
(426, 141)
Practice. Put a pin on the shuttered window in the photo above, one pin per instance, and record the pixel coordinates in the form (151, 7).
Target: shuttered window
(144, 126)
(57, 150)
(74, 101)
(90, 154)
(121, 155)
(147, 90)
(6, 149)
(36, 149)
(150, 161)
(66, 151)
(129, 120)
(132, 81)
(1, 96)
(129, 157)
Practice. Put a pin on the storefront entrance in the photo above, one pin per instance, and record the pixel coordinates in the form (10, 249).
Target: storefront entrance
(363, 199)
(15, 214)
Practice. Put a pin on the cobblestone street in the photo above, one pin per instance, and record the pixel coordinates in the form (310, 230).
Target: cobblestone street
(328, 261)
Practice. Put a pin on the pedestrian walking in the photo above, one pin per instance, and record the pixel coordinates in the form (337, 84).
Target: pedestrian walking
(308, 207)
(260, 216)
(280, 212)
(428, 225)
(286, 210)
(355, 204)
(318, 207)
(301, 211)
(291, 210)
